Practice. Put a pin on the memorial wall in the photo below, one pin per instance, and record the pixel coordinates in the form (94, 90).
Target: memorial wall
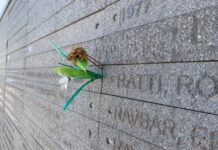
(159, 89)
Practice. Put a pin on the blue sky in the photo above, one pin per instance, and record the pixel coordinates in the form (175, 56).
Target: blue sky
(3, 4)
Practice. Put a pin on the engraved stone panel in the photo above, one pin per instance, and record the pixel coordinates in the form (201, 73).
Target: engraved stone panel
(72, 13)
(189, 37)
(15, 62)
(78, 10)
(18, 18)
(160, 75)
(167, 127)
(87, 103)
(90, 25)
(20, 117)
(18, 44)
(18, 35)
(42, 49)
(38, 134)
(69, 142)
(112, 139)
(185, 85)
(127, 13)
(46, 75)
(36, 17)
(42, 115)
(82, 127)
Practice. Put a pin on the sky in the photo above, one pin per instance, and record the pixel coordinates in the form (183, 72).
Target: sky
(3, 4)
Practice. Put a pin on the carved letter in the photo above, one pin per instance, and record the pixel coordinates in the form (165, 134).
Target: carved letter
(131, 82)
(144, 121)
(121, 81)
(194, 32)
(132, 118)
(122, 115)
(201, 91)
(155, 124)
(130, 11)
(139, 4)
(200, 138)
(169, 127)
(147, 5)
(122, 15)
(186, 82)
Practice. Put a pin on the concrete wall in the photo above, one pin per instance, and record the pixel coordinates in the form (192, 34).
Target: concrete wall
(160, 84)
